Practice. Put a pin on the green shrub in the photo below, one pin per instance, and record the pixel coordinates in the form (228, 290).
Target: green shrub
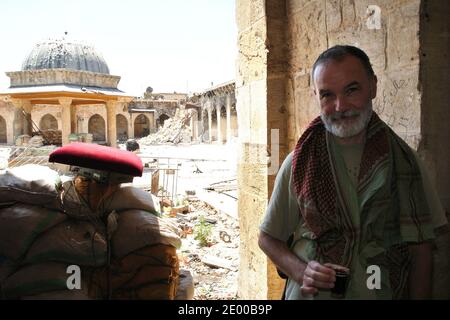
(202, 231)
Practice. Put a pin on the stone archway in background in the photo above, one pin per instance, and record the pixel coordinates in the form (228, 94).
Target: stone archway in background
(141, 126)
(223, 124)
(214, 133)
(48, 122)
(96, 127)
(121, 127)
(2, 130)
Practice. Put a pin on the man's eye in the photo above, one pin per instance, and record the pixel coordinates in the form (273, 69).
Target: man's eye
(324, 95)
(351, 90)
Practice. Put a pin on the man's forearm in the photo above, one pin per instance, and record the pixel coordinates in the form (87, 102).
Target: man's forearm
(282, 257)
(421, 271)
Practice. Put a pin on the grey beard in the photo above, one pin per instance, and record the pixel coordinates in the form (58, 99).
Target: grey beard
(343, 131)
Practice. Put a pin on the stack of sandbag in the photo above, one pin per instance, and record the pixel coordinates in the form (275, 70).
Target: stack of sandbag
(123, 249)
(144, 262)
(30, 222)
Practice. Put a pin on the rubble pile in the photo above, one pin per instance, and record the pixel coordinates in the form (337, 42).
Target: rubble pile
(214, 267)
(24, 155)
(53, 136)
(175, 130)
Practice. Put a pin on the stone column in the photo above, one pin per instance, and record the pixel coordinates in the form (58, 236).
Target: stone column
(228, 107)
(26, 119)
(111, 123)
(66, 119)
(131, 127)
(73, 120)
(219, 131)
(210, 124)
(10, 132)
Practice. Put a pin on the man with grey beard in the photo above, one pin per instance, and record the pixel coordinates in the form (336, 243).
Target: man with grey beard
(353, 198)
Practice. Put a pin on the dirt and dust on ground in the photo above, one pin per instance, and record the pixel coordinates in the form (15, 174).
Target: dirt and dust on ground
(204, 190)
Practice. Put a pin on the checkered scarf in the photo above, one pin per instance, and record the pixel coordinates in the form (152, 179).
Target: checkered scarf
(324, 214)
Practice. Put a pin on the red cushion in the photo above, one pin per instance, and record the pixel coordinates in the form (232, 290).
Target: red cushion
(94, 156)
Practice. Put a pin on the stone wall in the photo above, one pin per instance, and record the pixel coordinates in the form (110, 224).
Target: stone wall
(393, 49)
(435, 119)
(251, 89)
(62, 76)
(8, 114)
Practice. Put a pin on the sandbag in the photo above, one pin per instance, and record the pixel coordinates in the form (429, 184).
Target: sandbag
(151, 291)
(20, 224)
(137, 229)
(7, 267)
(185, 288)
(72, 242)
(153, 265)
(159, 254)
(31, 183)
(36, 279)
(129, 197)
(124, 198)
(146, 265)
(60, 295)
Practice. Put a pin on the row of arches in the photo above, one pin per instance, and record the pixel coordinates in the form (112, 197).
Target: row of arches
(97, 126)
(220, 124)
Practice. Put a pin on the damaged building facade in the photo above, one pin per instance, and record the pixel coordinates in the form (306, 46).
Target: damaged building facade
(65, 89)
(218, 116)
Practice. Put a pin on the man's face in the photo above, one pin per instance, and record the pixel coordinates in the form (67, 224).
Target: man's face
(345, 92)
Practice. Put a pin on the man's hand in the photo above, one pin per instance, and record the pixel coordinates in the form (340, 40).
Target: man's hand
(317, 276)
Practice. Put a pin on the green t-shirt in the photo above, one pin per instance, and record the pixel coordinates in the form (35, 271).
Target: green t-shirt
(283, 218)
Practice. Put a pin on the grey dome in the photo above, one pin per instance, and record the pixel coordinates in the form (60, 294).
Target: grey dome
(56, 54)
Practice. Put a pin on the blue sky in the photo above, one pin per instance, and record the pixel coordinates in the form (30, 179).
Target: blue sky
(170, 45)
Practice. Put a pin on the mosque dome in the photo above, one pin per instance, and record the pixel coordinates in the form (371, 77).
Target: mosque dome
(65, 54)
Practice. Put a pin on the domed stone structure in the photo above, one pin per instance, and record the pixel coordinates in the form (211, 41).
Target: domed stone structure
(64, 54)
(68, 82)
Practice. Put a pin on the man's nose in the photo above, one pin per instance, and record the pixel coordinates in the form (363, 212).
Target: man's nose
(341, 104)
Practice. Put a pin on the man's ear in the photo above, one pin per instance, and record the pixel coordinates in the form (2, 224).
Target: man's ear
(373, 87)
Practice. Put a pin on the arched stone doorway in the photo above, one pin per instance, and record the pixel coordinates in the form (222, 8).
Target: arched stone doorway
(96, 127)
(214, 132)
(223, 124)
(2, 130)
(48, 122)
(121, 127)
(141, 126)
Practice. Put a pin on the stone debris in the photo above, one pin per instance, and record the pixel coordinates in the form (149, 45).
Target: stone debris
(214, 267)
(217, 262)
(175, 130)
(36, 141)
(53, 136)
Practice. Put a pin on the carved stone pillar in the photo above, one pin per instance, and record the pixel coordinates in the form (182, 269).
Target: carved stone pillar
(66, 119)
(210, 125)
(228, 107)
(111, 123)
